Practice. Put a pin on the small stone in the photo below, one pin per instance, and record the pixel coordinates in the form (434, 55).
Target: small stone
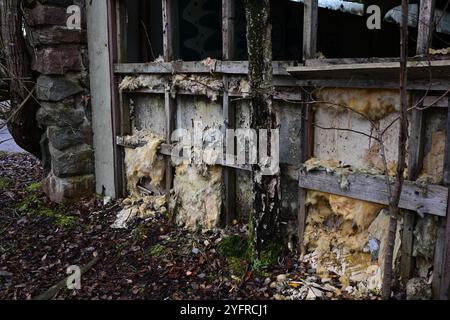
(195, 251)
(281, 278)
(267, 281)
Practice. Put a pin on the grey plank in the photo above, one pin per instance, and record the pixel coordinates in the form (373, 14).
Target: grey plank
(431, 200)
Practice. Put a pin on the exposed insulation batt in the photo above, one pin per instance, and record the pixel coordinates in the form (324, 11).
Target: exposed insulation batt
(142, 162)
(197, 196)
(143, 82)
(346, 238)
(198, 84)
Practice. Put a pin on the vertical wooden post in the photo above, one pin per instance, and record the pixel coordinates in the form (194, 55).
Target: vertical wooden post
(229, 113)
(306, 151)
(441, 271)
(416, 146)
(169, 30)
(310, 25)
(416, 141)
(426, 26)
(169, 53)
(228, 15)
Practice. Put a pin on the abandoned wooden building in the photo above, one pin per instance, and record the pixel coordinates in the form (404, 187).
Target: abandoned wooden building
(138, 70)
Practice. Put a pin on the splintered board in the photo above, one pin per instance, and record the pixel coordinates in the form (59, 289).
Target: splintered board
(431, 199)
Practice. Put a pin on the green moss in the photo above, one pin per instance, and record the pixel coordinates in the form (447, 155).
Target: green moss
(140, 233)
(237, 267)
(34, 187)
(234, 246)
(157, 250)
(5, 183)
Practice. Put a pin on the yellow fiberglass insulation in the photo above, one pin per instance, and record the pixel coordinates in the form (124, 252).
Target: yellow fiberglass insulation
(197, 196)
(346, 238)
(144, 162)
(374, 104)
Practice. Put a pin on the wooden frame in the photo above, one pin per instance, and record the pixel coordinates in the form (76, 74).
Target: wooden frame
(365, 73)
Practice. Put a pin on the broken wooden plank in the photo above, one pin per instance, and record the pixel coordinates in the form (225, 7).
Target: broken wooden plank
(310, 24)
(431, 199)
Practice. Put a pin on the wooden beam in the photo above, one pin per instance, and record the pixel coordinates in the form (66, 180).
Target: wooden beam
(416, 147)
(425, 26)
(310, 24)
(170, 111)
(220, 67)
(229, 114)
(431, 199)
(116, 55)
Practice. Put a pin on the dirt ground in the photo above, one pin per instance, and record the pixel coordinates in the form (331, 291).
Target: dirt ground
(153, 260)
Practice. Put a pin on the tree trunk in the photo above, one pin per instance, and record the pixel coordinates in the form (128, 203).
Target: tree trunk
(266, 188)
(403, 136)
(23, 126)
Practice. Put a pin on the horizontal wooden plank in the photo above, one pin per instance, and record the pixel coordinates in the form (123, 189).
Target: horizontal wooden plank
(219, 67)
(330, 82)
(417, 70)
(431, 199)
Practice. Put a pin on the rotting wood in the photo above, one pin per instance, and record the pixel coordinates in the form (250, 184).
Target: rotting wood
(431, 199)
(266, 188)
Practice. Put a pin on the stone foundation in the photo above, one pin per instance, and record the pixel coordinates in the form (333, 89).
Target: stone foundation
(60, 60)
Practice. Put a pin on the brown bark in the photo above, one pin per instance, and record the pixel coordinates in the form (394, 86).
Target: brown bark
(266, 205)
(23, 126)
(395, 192)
